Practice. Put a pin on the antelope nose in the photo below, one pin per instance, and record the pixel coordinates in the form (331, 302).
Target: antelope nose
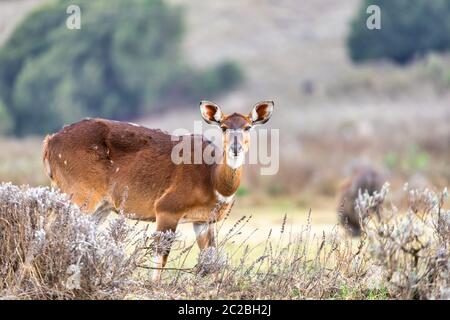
(236, 148)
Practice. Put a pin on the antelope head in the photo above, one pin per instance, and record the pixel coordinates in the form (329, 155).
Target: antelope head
(236, 128)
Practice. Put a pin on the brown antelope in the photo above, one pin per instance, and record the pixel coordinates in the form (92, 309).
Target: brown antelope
(362, 180)
(96, 161)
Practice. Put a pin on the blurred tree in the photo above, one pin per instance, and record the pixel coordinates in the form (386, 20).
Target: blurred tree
(123, 62)
(409, 28)
(5, 119)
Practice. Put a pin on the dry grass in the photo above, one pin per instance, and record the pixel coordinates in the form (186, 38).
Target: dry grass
(50, 250)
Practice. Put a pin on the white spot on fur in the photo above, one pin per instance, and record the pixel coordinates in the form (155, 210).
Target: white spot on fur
(59, 155)
(117, 169)
(224, 199)
(134, 124)
(65, 162)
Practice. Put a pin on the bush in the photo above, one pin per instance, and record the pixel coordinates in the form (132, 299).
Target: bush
(50, 250)
(410, 250)
(409, 28)
(124, 61)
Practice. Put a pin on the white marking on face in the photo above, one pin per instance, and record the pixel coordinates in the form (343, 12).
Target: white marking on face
(232, 160)
(235, 162)
(224, 199)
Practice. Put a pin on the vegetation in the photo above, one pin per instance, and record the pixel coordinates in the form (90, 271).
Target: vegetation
(50, 250)
(409, 28)
(5, 120)
(36, 261)
(124, 61)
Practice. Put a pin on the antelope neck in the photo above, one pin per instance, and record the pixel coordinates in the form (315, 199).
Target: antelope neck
(226, 180)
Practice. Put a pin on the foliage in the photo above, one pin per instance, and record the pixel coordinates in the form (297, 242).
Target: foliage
(5, 119)
(409, 28)
(410, 250)
(124, 61)
(50, 250)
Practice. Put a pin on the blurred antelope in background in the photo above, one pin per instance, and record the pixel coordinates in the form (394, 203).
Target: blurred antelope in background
(96, 161)
(363, 180)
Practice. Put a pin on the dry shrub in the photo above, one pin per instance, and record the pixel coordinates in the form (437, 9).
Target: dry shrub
(412, 248)
(49, 249)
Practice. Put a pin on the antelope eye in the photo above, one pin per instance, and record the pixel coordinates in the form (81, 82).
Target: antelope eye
(247, 128)
(223, 129)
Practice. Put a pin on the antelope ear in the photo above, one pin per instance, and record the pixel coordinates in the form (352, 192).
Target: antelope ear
(261, 112)
(211, 112)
